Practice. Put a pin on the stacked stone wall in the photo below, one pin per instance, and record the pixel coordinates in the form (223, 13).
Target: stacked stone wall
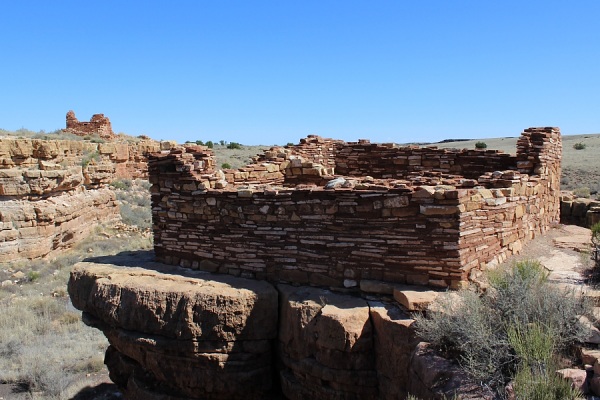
(390, 161)
(98, 125)
(436, 229)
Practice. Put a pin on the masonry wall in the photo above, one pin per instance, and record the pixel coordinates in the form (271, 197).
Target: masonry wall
(437, 230)
(98, 125)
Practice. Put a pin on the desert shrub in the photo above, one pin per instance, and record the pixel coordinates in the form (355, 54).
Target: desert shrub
(234, 145)
(582, 192)
(222, 142)
(536, 379)
(289, 144)
(579, 146)
(33, 276)
(138, 216)
(144, 184)
(123, 184)
(199, 142)
(225, 166)
(481, 145)
(209, 144)
(89, 157)
(477, 329)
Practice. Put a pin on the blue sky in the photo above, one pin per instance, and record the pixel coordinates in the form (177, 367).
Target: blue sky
(271, 72)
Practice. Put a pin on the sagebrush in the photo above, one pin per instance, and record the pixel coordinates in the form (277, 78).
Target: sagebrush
(477, 329)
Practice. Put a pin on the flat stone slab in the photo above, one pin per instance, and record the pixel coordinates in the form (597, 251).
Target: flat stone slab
(174, 302)
(414, 298)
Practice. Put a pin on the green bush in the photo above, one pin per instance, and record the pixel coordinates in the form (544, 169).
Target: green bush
(33, 276)
(210, 144)
(596, 233)
(123, 184)
(199, 142)
(481, 145)
(535, 378)
(579, 146)
(582, 192)
(89, 157)
(477, 329)
(234, 145)
(225, 166)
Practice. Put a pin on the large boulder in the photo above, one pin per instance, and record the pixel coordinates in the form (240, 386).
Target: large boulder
(177, 333)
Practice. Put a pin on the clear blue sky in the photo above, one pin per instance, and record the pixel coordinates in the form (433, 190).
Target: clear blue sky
(267, 72)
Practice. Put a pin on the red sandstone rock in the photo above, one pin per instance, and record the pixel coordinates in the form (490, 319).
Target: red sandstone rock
(176, 333)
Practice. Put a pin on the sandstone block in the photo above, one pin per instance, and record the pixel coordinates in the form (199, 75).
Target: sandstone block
(414, 298)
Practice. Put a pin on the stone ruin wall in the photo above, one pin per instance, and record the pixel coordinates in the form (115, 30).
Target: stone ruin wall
(395, 214)
(52, 192)
(98, 125)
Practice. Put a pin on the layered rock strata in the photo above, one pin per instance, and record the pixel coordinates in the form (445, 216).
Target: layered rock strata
(181, 334)
(52, 192)
(32, 229)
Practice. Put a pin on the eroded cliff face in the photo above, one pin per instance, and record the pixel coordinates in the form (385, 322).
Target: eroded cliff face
(176, 333)
(53, 192)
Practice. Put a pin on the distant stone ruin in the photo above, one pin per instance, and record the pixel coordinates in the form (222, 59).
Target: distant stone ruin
(98, 125)
(344, 215)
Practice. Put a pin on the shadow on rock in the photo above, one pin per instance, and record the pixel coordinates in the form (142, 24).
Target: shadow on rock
(103, 391)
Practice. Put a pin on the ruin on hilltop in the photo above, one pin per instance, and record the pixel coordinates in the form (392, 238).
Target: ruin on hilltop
(330, 213)
(98, 125)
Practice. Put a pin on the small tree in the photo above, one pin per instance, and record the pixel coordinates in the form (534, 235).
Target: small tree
(210, 144)
(481, 145)
(199, 142)
(222, 142)
(234, 145)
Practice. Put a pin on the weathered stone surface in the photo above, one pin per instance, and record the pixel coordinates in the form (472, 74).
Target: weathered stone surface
(394, 342)
(577, 377)
(326, 343)
(414, 298)
(31, 229)
(180, 333)
(47, 190)
(589, 356)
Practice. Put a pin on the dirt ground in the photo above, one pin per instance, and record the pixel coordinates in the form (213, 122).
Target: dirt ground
(96, 386)
(565, 251)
